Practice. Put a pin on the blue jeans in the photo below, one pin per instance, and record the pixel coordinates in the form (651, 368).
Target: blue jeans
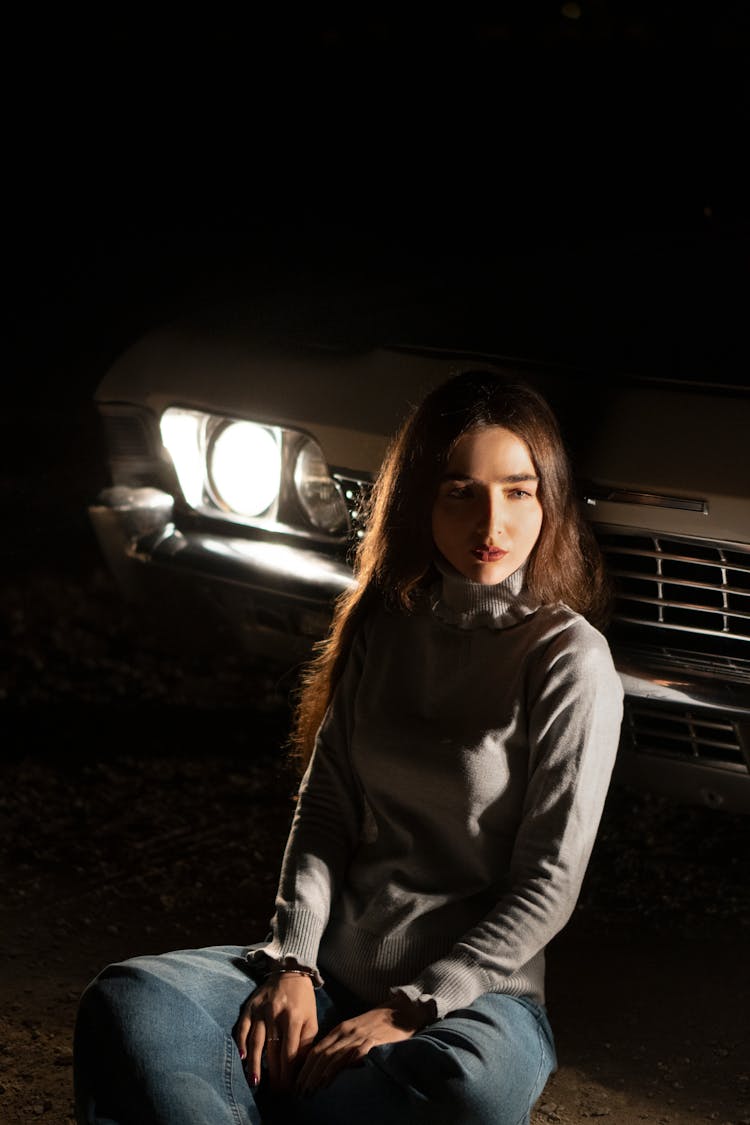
(154, 1046)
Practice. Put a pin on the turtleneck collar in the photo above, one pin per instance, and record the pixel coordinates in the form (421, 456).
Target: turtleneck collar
(471, 605)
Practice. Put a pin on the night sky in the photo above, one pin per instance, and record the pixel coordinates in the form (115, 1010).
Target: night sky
(583, 160)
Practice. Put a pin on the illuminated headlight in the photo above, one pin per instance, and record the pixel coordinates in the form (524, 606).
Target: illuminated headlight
(244, 467)
(249, 472)
(232, 466)
(318, 493)
(183, 435)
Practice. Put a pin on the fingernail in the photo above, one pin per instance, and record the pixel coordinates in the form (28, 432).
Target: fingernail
(243, 1053)
(255, 1080)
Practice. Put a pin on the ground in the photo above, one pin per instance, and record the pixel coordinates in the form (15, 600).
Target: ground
(144, 806)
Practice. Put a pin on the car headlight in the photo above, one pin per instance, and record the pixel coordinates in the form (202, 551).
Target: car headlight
(318, 493)
(249, 472)
(182, 433)
(244, 467)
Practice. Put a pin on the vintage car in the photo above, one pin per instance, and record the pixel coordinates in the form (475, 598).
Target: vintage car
(239, 466)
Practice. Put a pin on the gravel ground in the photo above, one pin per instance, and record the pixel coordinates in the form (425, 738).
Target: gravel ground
(144, 806)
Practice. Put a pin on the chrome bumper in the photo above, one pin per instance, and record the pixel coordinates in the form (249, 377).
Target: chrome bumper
(649, 677)
(277, 598)
(274, 597)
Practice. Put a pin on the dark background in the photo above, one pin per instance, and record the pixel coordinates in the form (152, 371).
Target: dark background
(153, 165)
(563, 181)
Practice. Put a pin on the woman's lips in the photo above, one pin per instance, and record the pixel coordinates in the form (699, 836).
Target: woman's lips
(488, 554)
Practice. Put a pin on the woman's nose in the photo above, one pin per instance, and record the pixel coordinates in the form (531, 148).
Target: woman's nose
(491, 516)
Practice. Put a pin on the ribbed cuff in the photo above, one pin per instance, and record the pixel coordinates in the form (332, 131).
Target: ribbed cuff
(450, 983)
(294, 943)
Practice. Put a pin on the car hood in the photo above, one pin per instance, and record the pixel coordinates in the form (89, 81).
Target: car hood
(634, 435)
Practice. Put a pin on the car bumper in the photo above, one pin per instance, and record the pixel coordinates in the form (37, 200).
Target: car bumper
(686, 731)
(275, 598)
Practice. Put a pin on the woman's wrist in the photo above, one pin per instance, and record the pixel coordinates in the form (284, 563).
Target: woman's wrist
(281, 972)
(414, 1013)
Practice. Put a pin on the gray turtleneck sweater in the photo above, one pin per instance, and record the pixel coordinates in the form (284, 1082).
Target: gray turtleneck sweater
(448, 813)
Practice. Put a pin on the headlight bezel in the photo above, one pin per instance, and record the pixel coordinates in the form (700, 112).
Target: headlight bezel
(286, 514)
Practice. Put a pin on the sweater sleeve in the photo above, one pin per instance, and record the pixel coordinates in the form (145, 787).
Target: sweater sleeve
(574, 717)
(324, 831)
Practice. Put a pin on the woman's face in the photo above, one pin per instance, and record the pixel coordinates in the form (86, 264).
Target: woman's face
(487, 515)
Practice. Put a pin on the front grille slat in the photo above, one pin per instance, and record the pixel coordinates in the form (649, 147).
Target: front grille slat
(665, 556)
(694, 629)
(126, 436)
(721, 587)
(670, 604)
(680, 593)
(652, 733)
(673, 732)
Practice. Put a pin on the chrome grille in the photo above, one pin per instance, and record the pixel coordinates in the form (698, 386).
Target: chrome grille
(127, 436)
(356, 492)
(674, 732)
(680, 592)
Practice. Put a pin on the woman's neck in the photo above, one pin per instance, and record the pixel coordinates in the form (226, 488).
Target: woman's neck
(462, 602)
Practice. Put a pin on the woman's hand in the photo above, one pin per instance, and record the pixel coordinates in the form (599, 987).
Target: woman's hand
(281, 1017)
(348, 1043)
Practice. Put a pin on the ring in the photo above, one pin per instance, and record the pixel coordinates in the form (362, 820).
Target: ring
(273, 1039)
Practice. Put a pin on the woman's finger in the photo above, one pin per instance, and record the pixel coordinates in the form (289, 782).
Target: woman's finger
(317, 1062)
(274, 1049)
(346, 1056)
(306, 1077)
(241, 1030)
(306, 1043)
(289, 1047)
(255, 1043)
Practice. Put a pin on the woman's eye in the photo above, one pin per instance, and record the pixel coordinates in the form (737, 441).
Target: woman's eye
(459, 493)
(519, 493)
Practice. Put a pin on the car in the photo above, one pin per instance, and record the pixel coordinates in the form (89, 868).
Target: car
(240, 466)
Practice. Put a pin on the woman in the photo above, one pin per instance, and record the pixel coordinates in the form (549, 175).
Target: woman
(459, 727)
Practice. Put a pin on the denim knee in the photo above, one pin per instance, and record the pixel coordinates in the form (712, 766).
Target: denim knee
(487, 1063)
(153, 1043)
(130, 1006)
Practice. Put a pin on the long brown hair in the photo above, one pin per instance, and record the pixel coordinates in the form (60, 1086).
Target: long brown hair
(394, 561)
